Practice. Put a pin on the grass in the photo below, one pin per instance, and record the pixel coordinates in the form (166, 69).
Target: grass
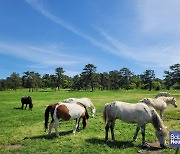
(22, 131)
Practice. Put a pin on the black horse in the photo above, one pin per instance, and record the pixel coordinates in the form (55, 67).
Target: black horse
(28, 101)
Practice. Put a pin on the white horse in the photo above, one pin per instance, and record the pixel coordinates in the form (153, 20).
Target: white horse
(160, 94)
(160, 103)
(139, 113)
(85, 101)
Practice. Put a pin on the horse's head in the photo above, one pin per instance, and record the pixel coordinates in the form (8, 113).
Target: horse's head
(161, 135)
(93, 112)
(31, 106)
(174, 102)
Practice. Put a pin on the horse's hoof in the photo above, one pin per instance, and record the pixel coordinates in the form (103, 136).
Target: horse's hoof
(49, 136)
(163, 146)
(144, 146)
(106, 141)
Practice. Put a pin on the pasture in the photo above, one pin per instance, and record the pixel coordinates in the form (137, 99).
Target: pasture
(22, 131)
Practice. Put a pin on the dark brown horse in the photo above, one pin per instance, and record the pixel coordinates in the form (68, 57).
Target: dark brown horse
(66, 111)
(27, 100)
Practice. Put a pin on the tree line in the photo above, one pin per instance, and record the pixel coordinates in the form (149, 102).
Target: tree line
(89, 79)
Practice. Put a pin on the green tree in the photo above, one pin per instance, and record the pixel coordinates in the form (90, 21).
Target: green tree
(77, 82)
(89, 72)
(3, 84)
(114, 78)
(147, 78)
(59, 73)
(27, 80)
(53, 81)
(126, 75)
(173, 76)
(36, 81)
(14, 81)
(104, 81)
(46, 81)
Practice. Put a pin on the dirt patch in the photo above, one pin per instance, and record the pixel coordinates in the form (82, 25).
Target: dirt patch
(12, 146)
(152, 147)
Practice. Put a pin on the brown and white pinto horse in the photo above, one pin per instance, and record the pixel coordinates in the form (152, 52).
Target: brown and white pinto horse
(85, 101)
(66, 111)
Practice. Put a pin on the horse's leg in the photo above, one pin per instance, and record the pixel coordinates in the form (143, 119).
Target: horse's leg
(84, 122)
(56, 127)
(76, 125)
(25, 106)
(143, 135)
(161, 113)
(106, 129)
(50, 127)
(112, 129)
(136, 133)
(22, 106)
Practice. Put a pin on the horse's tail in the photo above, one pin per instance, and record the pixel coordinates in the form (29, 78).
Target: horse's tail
(105, 114)
(46, 114)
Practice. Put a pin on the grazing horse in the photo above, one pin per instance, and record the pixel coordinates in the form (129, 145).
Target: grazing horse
(139, 113)
(66, 111)
(85, 101)
(160, 94)
(160, 103)
(28, 101)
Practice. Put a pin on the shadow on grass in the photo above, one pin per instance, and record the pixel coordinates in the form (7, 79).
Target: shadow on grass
(111, 144)
(53, 135)
(168, 118)
(18, 108)
(124, 144)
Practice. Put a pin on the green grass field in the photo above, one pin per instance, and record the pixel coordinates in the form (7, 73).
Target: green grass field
(22, 131)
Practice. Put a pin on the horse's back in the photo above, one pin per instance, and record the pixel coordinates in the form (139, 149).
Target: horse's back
(160, 94)
(26, 99)
(69, 111)
(157, 103)
(131, 113)
(85, 101)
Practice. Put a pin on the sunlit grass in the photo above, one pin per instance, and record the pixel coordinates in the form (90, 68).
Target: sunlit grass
(22, 131)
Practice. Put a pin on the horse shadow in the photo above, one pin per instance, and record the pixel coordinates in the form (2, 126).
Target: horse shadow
(124, 144)
(111, 144)
(48, 137)
(18, 108)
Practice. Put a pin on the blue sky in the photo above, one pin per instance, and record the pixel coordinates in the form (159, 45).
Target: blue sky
(41, 35)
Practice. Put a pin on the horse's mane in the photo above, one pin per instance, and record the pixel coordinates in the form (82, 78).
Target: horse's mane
(157, 122)
(91, 104)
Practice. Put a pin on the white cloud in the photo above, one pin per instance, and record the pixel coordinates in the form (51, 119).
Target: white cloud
(159, 16)
(160, 55)
(42, 56)
(156, 16)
